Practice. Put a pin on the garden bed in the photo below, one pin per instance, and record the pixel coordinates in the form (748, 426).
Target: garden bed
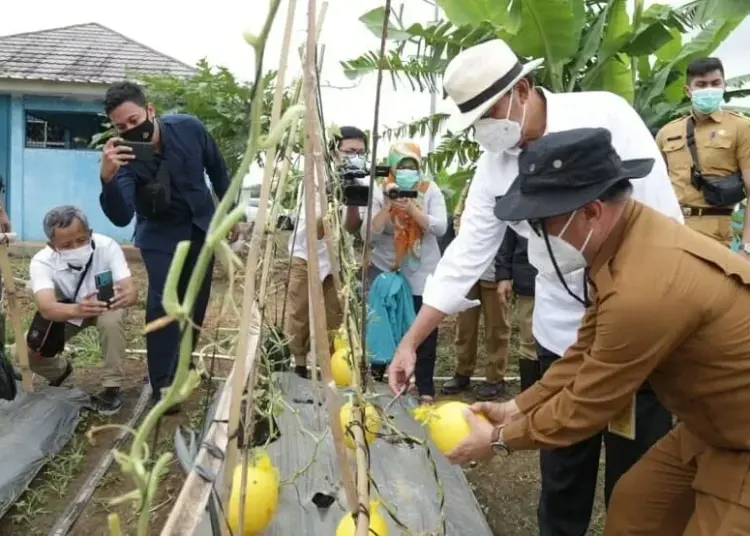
(506, 489)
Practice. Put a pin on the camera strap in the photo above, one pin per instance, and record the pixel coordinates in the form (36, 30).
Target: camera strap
(690, 138)
(84, 272)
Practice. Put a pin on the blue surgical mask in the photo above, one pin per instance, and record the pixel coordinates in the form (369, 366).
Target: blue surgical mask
(406, 178)
(707, 101)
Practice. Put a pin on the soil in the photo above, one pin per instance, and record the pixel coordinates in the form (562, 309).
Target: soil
(506, 488)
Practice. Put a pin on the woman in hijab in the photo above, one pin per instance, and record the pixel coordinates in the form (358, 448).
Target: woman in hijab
(405, 232)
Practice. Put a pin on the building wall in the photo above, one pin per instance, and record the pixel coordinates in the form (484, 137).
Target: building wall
(5, 140)
(41, 178)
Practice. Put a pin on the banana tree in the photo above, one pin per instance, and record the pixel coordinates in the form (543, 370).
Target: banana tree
(586, 44)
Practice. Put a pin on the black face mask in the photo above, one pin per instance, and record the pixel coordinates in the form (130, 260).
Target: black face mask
(140, 133)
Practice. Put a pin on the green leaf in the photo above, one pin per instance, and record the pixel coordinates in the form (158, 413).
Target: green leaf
(515, 17)
(373, 19)
(613, 72)
(700, 46)
(461, 12)
(669, 50)
(648, 40)
(551, 30)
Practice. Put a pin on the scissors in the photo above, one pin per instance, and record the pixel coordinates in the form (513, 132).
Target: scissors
(401, 393)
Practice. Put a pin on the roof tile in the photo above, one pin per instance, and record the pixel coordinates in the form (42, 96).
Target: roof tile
(83, 53)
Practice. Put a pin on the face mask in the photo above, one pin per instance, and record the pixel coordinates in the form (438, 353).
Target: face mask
(356, 161)
(568, 258)
(707, 101)
(140, 133)
(77, 257)
(406, 178)
(498, 135)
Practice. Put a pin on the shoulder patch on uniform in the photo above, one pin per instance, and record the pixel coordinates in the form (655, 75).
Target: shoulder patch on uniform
(738, 114)
(677, 120)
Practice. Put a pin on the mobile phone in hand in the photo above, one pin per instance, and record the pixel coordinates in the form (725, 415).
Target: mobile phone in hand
(143, 151)
(105, 286)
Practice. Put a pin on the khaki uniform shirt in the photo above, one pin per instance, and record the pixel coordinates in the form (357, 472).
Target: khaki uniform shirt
(722, 141)
(670, 306)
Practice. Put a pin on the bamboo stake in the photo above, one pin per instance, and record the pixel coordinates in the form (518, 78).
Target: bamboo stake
(191, 502)
(249, 292)
(357, 415)
(9, 282)
(265, 189)
(313, 269)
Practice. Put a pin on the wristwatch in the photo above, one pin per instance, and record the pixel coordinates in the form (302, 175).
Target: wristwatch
(745, 248)
(498, 445)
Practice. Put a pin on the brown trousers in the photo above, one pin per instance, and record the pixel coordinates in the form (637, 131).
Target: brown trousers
(298, 311)
(657, 496)
(111, 327)
(496, 332)
(717, 227)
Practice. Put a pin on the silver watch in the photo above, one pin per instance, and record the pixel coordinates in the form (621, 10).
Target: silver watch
(498, 445)
(745, 248)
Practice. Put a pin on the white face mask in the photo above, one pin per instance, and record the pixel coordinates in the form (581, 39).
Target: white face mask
(498, 135)
(356, 161)
(77, 257)
(568, 258)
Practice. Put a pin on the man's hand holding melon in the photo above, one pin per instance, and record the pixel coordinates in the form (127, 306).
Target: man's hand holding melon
(484, 419)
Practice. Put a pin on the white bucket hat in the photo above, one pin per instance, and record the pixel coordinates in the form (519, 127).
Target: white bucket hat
(478, 77)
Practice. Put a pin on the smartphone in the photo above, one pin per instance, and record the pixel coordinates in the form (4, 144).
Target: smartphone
(143, 151)
(105, 287)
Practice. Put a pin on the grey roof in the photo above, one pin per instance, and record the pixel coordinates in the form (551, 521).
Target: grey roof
(83, 53)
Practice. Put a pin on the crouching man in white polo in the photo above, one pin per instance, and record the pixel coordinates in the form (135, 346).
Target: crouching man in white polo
(80, 280)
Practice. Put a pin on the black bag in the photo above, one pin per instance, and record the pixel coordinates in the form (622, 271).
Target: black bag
(47, 337)
(717, 191)
(153, 194)
(8, 389)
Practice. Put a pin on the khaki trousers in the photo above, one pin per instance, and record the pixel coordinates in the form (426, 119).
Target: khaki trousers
(496, 333)
(111, 327)
(524, 314)
(717, 227)
(298, 311)
(660, 495)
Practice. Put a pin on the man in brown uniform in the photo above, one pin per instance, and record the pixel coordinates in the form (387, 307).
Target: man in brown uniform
(666, 304)
(721, 143)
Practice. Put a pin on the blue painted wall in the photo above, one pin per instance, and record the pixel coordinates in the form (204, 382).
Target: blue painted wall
(5, 141)
(39, 179)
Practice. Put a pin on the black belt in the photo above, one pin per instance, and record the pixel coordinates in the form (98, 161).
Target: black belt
(708, 211)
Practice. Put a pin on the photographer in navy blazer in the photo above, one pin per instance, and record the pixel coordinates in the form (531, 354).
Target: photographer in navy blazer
(165, 189)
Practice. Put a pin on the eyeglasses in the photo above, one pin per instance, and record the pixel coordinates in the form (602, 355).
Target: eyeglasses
(353, 152)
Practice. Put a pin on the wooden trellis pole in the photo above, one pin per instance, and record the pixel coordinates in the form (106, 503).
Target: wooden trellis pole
(13, 310)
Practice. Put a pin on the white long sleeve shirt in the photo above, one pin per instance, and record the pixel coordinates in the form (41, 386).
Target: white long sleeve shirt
(557, 315)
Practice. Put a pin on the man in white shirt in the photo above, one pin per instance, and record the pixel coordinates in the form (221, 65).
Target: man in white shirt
(349, 144)
(495, 94)
(63, 279)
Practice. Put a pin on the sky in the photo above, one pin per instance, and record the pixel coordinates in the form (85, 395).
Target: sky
(188, 34)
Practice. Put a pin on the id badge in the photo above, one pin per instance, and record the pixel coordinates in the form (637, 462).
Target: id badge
(623, 424)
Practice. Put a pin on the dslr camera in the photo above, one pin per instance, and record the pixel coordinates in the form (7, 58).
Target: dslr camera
(397, 193)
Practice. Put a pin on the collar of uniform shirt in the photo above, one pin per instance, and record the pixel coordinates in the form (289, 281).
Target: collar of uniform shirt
(613, 240)
(716, 117)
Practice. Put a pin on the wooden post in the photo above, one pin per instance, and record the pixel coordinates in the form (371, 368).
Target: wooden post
(12, 308)
(321, 349)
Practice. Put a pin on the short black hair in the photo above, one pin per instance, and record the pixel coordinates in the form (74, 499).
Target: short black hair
(124, 92)
(617, 191)
(347, 133)
(703, 66)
